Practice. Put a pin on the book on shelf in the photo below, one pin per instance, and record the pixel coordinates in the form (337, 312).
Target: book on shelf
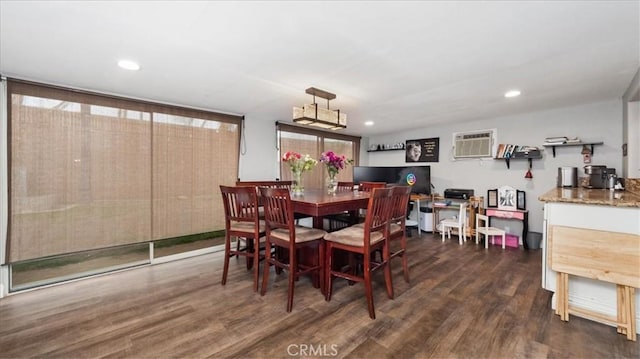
(555, 140)
(500, 151)
(508, 153)
(528, 148)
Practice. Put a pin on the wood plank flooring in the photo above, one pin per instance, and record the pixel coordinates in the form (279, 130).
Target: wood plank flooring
(462, 302)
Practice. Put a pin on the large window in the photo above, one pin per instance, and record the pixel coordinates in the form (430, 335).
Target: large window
(90, 172)
(313, 142)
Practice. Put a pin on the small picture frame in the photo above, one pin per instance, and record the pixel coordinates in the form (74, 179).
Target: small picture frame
(521, 201)
(507, 198)
(492, 198)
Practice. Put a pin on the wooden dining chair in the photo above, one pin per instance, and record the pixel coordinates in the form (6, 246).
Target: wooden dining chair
(366, 186)
(270, 184)
(364, 241)
(397, 229)
(344, 219)
(281, 232)
(369, 186)
(242, 221)
(345, 186)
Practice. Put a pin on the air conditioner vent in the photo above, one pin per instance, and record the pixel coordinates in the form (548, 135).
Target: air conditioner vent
(473, 144)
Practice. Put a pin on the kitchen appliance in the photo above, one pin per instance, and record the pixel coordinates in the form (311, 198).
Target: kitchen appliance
(567, 176)
(598, 176)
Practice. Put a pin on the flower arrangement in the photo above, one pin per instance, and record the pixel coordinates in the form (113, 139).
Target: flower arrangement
(298, 164)
(334, 162)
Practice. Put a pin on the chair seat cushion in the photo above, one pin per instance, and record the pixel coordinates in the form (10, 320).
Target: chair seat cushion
(395, 228)
(353, 236)
(303, 234)
(246, 226)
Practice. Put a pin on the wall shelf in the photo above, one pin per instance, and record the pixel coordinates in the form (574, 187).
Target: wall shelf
(385, 150)
(530, 156)
(553, 147)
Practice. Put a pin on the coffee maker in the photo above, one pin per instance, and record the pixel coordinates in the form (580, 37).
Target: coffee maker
(599, 176)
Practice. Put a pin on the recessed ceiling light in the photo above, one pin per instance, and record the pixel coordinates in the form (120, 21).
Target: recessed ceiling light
(512, 93)
(129, 65)
(368, 123)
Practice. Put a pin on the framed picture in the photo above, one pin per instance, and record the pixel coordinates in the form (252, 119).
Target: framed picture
(492, 198)
(521, 201)
(507, 198)
(424, 150)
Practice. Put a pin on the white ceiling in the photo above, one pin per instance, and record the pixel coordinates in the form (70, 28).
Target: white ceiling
(403, 65)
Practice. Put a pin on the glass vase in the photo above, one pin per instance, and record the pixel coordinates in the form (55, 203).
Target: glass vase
(332, 184)
(297, 188)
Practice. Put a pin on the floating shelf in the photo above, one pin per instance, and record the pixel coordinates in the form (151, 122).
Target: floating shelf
(553, 147)
(532, 155)
(389, 149)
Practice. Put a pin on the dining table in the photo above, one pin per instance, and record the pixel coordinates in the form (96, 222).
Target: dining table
(318, 203)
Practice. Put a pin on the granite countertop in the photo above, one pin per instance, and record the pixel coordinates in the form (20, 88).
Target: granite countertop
(602, 197)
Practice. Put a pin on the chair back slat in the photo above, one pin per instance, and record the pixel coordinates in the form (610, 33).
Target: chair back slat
(400, 198)
(369, 186)
(269, 184)
(278, 211)
(378, 213)
(345, 186)
(462, 216)
(240, 204)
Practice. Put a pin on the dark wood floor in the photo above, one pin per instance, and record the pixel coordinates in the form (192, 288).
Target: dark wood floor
(463, 302)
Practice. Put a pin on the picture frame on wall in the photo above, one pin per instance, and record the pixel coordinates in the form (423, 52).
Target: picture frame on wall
(507, 197)
(492, 198)
(422, 150)
(521, 201)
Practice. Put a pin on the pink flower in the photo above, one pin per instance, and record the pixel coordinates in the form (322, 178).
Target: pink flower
(299, 163)
(334, 162)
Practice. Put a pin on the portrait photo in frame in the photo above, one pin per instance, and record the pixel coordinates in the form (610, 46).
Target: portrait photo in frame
(521, 201)
(492, 198)
(507, 198)
(422, 150)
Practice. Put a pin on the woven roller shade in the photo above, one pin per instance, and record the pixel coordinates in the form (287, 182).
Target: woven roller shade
(89, 171)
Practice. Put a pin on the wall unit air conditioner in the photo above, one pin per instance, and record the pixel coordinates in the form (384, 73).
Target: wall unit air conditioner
(473, 144)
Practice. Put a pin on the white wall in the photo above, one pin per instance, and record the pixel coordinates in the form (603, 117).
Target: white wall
(631, 128)
(592, 122)
(258, 153)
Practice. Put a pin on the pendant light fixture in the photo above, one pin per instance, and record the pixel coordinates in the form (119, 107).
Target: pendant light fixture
(314, 115)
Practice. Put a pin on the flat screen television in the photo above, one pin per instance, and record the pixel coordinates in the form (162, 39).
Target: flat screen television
(418, 177)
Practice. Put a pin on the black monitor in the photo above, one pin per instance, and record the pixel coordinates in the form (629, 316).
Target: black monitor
(418, 177)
